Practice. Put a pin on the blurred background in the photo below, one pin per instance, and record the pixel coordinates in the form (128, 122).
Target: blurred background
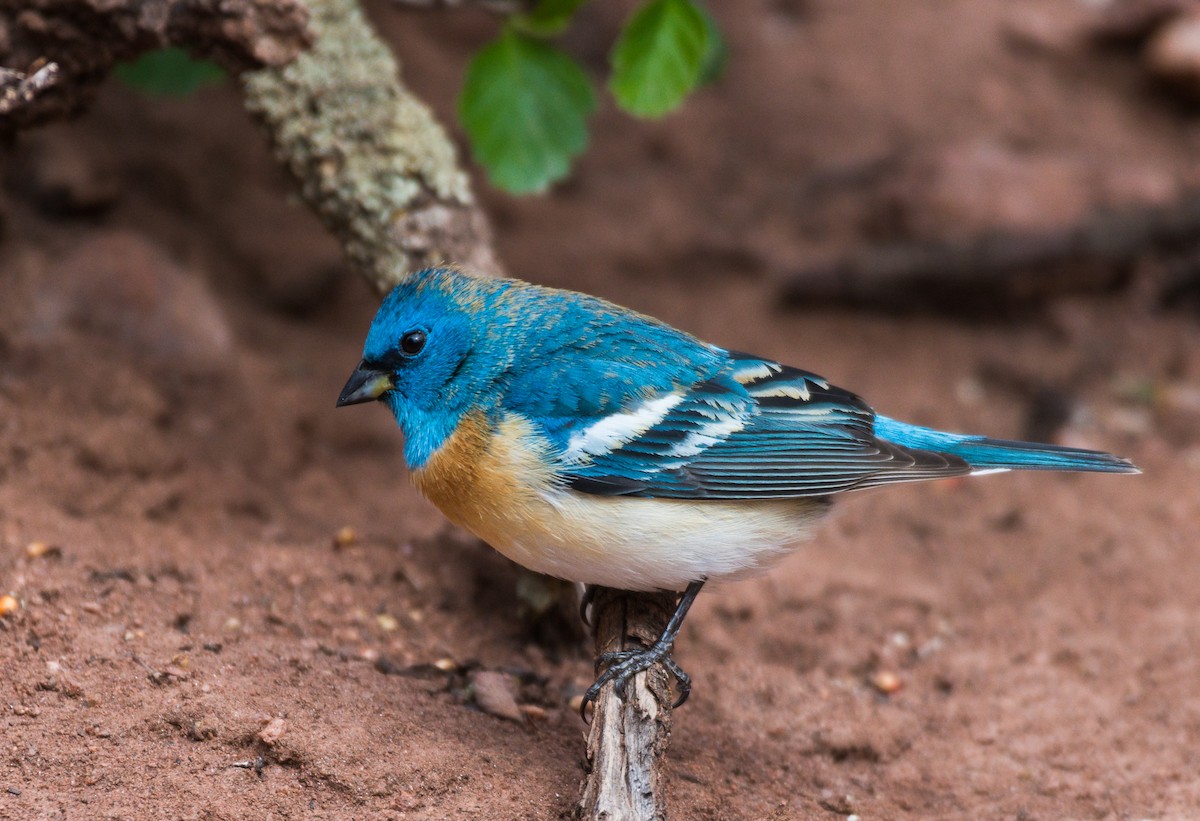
(981, 215)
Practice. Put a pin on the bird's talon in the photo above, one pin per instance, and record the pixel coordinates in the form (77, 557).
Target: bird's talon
(588, 698)
(621, 665)
(682, 681)
(619, 686)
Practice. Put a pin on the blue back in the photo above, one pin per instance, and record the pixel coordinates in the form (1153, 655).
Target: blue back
(732, 426)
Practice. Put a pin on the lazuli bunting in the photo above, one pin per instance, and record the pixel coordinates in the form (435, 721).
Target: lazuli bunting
(592, 443)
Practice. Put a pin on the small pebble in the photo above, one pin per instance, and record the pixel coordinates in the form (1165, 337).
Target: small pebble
(345, 537)
(274, 731)
(533, 711)
(446, 665)
(8, 605)
(175, 671)
(387, 623)
(886, 682)
(493, 695)
(36, 550)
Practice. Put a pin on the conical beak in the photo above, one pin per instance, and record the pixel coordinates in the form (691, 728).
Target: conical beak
(365, 385)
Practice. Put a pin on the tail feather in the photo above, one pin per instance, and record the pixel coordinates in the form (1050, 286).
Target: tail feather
(984, 454)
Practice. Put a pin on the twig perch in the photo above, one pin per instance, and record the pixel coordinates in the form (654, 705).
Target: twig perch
(629, 736)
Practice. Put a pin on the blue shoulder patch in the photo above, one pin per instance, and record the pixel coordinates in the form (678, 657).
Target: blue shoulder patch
(584, 358)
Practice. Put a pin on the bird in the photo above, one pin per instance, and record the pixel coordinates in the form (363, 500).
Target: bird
(595, 444)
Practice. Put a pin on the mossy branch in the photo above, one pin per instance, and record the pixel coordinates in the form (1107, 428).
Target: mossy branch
(368, 155)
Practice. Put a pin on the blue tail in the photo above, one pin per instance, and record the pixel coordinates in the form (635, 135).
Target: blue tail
(982, 453)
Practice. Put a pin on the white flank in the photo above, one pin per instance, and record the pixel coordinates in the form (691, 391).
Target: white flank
(986, 471)
(649, 544)
(616, 429)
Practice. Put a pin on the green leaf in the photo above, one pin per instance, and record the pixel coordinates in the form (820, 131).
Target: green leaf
(525, 105)
(170, 72)
(548, 17)
(659, 57)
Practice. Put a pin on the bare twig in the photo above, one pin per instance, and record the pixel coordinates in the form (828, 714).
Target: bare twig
(369, 156)
(995, 271)
(629, 735)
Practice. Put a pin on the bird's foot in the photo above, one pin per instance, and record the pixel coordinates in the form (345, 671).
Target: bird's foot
(623, 665)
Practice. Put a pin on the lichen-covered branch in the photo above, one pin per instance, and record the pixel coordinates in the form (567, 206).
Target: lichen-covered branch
(85, 38)
(629, 735)
(20, 88)
(369, 156)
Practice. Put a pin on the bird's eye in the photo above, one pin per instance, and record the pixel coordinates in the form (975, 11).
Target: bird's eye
(412, 343)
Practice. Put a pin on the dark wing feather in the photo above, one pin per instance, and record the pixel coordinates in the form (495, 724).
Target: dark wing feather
(760, 430)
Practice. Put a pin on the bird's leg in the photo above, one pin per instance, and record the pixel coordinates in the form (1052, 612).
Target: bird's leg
(625, 664)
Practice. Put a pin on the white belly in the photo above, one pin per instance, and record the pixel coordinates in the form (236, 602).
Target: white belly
(649, 544)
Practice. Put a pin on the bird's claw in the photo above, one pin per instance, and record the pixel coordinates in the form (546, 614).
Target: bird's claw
(683, 682)
(623, 665)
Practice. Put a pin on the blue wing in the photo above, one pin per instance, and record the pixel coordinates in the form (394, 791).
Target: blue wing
(755, 430)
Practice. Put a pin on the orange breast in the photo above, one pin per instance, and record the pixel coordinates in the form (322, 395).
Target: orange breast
(490, 482)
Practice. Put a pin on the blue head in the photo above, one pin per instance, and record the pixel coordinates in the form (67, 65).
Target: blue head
(444, 343)
(421, 357)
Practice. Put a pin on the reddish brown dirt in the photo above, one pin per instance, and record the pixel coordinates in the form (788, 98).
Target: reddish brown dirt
(168, 364)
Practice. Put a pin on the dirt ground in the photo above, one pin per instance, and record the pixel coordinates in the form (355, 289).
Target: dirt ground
(192, 640)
